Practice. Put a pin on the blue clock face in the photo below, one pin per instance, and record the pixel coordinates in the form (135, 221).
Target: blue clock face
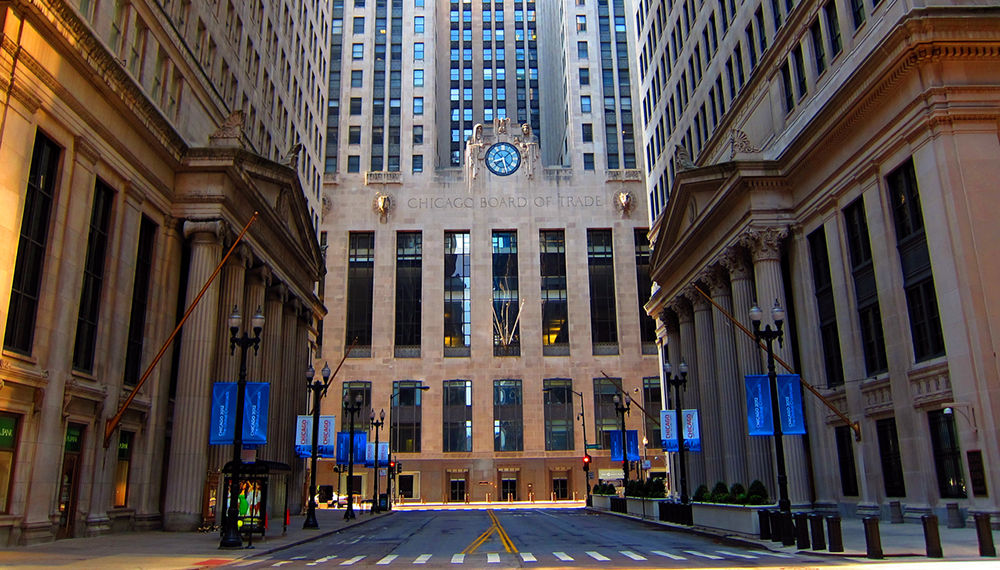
(503, 159)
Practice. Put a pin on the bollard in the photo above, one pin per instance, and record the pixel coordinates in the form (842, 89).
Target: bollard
(775, 516)
(787, 530)
(985, 534)
(801, 531)
(818, 539)
(873, 540)
(765, 524)
(836, 536)
(955, 519)
(932, 536)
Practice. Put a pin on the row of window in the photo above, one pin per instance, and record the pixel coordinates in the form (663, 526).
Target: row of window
(507, 302)
(457, 421)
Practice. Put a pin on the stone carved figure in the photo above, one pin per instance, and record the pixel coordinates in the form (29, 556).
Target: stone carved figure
(682, 159)
(500, 126)
(624, 203)
(230, 132)
(740, 143)
(291, 158)
(528, 144)
(473, 152)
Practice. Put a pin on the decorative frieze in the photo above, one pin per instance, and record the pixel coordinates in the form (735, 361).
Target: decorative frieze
(838, 401)
(877, 396)
(930, 385)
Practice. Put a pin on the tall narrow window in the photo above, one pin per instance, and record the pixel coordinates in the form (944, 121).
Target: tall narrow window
(819, 52)
(140, 298)
(506, 303)
(858, 11)
(800, 72)
(892, 463)
(555, 311)
(350, 393)
(123, 468)
(827, 309)
(865, 289)
(947, 455)
(786, 86)
(409, 292)
(845, 457)
(647, 326)
(508, 422)
(652, 399)
(9, 435)
(603, 317)
(360, 289)
(28, 268)
(915, 260)
(833, 25)
(558, 414)
(93, 279)
(457, 295)
(605, 417)
(457, 415)
(404, 429)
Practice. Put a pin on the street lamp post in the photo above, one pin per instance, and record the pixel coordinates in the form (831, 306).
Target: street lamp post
(769, 335)
(351, 410)
(679, 382)
(231, 534)
(377, 425)
(583, 420)
(392, 440)
(318, 388)
(622, 410)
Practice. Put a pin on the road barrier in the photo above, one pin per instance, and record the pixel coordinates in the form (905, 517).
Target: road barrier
(835, 533)
(764, 520)
(816, 525)
(801, 531)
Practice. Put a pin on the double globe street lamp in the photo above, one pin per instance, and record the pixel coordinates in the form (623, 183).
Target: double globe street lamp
(678, 383)
(351, 410)
(318, 388)
(622, 410)
(377, 425)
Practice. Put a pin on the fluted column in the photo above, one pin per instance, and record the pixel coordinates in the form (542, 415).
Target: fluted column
(673, 348)
(299, 403)
(760, 451)
(270, 360)
(732, 407)
(189, 443)
(258, 279)
(708, 388)
(692, 394)
(231, 284)
(765, 247)
(293, 375)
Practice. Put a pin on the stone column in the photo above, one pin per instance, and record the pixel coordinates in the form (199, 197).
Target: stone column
(293, 376)
(270, 359)
(708, 388)
(673, 349)
(257, 281)
(227, 369)
(189, 443)
(760, 450)
(765, 246)
(732, 406)
(299, 406)
(692, 393)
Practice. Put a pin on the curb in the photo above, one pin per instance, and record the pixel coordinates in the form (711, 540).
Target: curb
(320, 534)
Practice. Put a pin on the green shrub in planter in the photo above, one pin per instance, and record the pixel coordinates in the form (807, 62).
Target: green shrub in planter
(737, 489)
(756, 500)
(740, 499)
(700, 494)
(757, 488)
(720, 489)
(655, 488)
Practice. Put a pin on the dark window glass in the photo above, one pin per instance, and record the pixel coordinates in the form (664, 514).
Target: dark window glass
(558, 414)
(350, 393)
(833, 24)
(786, 86)
(457, 415)
(360, 290)
(865, 289)
(647, 326)
(603, 317)
(508, 423)
(819, 51)
(555, 311)
(845, 457)
(947, 455)
(457, 294)
(409, 292)
(93, 279)
(28, 267)
(140, 299)
(404, 428)
(892, 464)
(506, 303)
(858, 11)
(605, 417)
(588, 132)
(826, 308)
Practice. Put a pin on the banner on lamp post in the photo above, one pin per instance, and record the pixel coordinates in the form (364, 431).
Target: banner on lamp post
(632, 445)
(255, 408)
(303, 436)
(617, 446)
(223, 416)
(760, 418)
(668, 431)
(326, 443)
(691, 430)
(793, 421)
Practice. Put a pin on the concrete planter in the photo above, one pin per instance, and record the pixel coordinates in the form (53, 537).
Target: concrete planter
(733, 519)
(602, 502)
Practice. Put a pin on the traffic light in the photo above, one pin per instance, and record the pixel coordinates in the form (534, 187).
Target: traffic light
(586, 462)
(399, 466)
(392, 468)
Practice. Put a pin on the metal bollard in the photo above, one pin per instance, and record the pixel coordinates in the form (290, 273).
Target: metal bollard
(932, 536)
(775, 516)
(765, 524)
(836, 535)
(873, 540)
(801, 531)
(818, 539)
(985, 534)
(787, 530)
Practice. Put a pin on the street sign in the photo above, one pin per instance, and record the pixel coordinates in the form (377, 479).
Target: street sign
(593, 446)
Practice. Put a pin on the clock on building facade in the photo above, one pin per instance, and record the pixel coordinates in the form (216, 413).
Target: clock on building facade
(503, 159)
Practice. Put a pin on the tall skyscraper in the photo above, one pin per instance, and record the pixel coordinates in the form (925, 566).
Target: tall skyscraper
(486, 241)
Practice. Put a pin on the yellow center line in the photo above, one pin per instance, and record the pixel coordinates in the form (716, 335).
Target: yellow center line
(507, 542)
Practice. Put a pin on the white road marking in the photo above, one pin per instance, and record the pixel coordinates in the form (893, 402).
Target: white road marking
(528, 557)
(668, 555)
(597, 556)
(736, 554)
(563, 556)
(351, 561)
(632, 555)
(297, 558)
(319, 561)
(703, 555)
(458, 559)
(775, 554)
(493, 558)
(422, 559)
(282, 563)
(387, 559)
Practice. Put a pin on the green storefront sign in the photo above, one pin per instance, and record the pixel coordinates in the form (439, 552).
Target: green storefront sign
(8, 430)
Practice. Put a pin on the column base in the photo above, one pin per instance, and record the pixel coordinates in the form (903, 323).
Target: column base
(148, 522)
(868, 510)
(37, 533)
(912, 513)
(97, 526)
(181, 522)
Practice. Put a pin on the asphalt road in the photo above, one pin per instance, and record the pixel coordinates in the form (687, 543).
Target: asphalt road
(520, 539)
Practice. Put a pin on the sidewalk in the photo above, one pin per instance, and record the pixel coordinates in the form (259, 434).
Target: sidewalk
(170, 550)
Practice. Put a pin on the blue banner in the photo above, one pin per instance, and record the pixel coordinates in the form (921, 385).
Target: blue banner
(668, 431)
(617, 453)
(760, 418)
(793, 422)
(360, 447)
(632, 444)
(343, 442)
(343, 446)
(691, 430)
(223, 418)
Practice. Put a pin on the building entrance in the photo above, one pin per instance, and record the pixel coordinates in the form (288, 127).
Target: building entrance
(69, 480)
(457, 490)
(560, 486)
(508, 488)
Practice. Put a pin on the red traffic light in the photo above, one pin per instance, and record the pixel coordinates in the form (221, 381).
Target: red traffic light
(586, 458)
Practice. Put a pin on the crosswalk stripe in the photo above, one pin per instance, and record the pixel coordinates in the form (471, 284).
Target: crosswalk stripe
(563, 556)
(422, 559)
(351, 561)
(319, 561)
(282, 563)
(633, 555)
(493, 558)
(458, 559)
(775, 554)
(297, 558)
(703, 555)
(597, 556)
(736, 554)
(668, 555)
(387, 560)
(528, 557)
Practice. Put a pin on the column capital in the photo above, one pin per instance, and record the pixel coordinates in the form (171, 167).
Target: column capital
(716, 279)
(682, 309)
(764, 243)
(260, 275)
(278, 293)
(242, 256)
(669, 320)
(735, 259)
(204, 230)
(697, 300)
